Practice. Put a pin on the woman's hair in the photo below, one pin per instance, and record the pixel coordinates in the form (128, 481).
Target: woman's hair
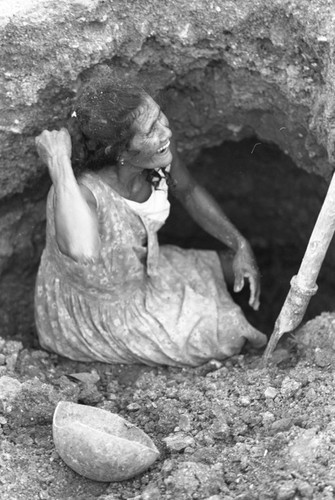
(100, 125)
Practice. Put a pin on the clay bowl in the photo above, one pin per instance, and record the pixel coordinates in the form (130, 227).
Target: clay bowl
(100, 445)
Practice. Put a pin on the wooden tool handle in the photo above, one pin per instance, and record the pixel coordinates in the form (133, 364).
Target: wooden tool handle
(319, 241)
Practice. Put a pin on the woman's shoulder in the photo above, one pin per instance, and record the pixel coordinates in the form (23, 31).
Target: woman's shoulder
(96, 190)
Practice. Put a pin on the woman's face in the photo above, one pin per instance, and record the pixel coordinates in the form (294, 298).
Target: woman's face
(149, 146)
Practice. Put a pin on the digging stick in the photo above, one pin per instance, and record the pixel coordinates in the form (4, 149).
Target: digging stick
(303, 285)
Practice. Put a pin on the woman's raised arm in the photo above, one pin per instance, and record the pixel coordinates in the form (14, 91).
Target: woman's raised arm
(76, 223)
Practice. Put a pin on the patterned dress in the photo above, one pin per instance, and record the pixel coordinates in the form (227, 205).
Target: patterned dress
(137, 302)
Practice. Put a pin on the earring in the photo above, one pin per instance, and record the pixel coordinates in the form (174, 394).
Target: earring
(122, 162)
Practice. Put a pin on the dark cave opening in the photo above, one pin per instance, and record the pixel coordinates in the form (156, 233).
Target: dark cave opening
(275, 205)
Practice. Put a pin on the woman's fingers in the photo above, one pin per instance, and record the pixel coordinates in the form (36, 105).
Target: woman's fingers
(239, 282)
(254, 287)
(50, 144)
(245, 267)
(64, 131)
(254, 291)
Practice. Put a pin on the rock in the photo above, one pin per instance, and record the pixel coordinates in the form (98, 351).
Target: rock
(279, 356)
(315, 340)
(151, 492)
(10, 347)
(286, 491)
(184, 423)
(220, 429)
(323, 357)
(10, 351)
(267, 418)
(9, 389)
(204, 437)
(133, 407)
(304, 449)
(305, 489)
(191, 477)
(89, 394)
(289, 387)
(86, 377)
(11, 360)
(178, 441)
(217, 497)
(283, 424)
(208, 455)
(112, 397)
(32, 402)
(270, 392)
(168, 467)
(209, 368)
(311, 394)
(245, 401)
(34, 364)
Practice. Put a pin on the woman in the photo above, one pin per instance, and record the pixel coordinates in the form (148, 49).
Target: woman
(105, 291)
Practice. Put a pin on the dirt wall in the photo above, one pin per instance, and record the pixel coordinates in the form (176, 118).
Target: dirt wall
(230, 70)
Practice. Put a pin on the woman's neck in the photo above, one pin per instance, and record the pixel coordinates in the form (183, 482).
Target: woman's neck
(127, 181)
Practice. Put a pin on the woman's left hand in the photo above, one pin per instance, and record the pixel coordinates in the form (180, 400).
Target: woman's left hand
(245, 267)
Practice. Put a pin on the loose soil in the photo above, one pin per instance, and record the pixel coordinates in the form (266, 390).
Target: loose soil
(226, 431)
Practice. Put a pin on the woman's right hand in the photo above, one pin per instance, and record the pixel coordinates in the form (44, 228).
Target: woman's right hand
(245, 267)
(53, 145)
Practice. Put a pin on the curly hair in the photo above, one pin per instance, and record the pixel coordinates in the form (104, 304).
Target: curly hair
(100, 125)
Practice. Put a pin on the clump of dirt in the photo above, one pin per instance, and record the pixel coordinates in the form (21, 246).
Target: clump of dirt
(316, 340)
(230, 430)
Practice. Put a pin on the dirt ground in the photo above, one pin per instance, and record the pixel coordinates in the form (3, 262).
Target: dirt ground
(239, 431)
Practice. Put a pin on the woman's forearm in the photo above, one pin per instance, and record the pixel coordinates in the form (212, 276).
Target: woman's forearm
(76, 224)
(208, 214)
(201, 205)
